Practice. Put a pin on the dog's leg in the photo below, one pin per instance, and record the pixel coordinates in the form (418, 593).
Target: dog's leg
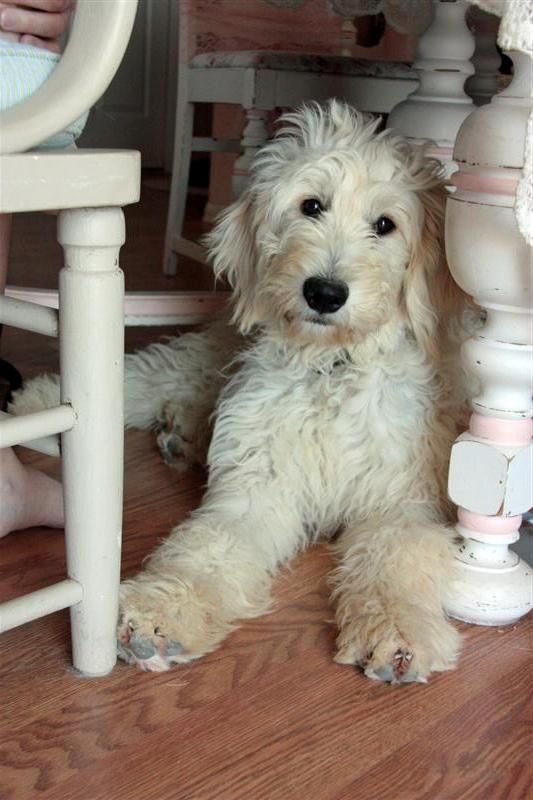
(171, 386)
(213, 571)
(389, 590)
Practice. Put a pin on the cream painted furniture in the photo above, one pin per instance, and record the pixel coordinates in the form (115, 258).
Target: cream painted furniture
(90, 187)
(491, 467)
(260, 82)
(439, 106)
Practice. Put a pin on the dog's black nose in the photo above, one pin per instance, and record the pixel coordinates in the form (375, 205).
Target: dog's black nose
(325, 296)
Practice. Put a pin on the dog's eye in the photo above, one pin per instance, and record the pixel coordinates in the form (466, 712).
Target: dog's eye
(312, 207)
(383, 226)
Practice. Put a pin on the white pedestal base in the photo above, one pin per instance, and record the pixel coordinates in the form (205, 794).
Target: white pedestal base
(494, 586)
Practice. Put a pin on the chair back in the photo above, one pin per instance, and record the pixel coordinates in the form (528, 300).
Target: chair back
(96, 46)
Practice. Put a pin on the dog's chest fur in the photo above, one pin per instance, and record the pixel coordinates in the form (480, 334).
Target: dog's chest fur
(324, 428)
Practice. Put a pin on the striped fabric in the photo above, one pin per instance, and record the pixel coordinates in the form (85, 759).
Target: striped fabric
(23, 69)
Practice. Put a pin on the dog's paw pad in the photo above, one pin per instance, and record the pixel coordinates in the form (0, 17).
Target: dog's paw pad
(398, 670)
(150, 651)
(386, 674)
(401, 662)
(171, 447)
(141, 648)
(177, 450)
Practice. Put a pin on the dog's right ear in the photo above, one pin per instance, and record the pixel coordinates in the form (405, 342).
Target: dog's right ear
(233, 254)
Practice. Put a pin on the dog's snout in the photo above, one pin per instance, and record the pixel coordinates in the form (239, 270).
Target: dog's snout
(325, 296)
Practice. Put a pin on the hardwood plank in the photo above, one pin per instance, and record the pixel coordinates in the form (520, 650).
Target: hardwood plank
(270, 714)
(482, 749)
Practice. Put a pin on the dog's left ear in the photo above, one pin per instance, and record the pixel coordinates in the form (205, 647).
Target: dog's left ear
(233, 254)
(430, 295)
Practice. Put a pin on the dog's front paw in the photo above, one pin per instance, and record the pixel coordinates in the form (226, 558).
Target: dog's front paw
(182, 435)
(147, 635)
(146, 645)
(405, 649)
(162, 623)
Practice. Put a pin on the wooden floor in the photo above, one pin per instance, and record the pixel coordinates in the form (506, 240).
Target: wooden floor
(267, 717)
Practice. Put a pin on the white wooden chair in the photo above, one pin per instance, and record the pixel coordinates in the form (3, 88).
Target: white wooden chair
(89, 187)
(259, 81)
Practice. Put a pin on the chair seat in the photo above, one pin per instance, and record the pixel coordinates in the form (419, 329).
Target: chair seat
(47, 180)
(302, 62)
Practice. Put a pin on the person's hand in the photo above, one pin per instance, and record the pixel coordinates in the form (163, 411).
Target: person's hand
(37, 22)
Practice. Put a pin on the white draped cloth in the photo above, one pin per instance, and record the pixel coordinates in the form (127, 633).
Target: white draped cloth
(516, 33)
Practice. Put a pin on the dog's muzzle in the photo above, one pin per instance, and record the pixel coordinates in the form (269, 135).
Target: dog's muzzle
(325, 296)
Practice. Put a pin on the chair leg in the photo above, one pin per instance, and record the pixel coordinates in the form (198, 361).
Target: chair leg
(5, 241)
(179, 184)
(254, 136)
(91, 336)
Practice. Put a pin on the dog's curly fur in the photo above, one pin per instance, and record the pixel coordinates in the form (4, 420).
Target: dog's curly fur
(329, 421)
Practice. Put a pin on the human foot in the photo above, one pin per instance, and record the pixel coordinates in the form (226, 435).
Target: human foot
(28, 498)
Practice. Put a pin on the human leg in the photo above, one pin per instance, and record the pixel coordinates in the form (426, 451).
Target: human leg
(28, 498)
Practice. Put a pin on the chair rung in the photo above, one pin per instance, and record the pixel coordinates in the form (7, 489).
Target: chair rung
(189, 249)
(49, 445)
(173, 308)
(29, 316)
(26, 428)
(204, 144)
(32, 294)
(40, 603)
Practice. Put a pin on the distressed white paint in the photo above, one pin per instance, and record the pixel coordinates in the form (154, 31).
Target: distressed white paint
(49, 445)
(490, 259)
(101, 177)
(18, 430)
(477, 477)
(91, 186)
(91, 354)
(29, 316)
(439, 105)
(37, 604)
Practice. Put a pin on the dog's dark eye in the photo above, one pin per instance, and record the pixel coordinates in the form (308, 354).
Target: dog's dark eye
(383, 226)
(312, 207)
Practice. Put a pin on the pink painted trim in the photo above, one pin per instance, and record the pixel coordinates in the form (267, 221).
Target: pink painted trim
(481, 184)
(168, 303)
(482, 524)
(441, 151)
(503, 431)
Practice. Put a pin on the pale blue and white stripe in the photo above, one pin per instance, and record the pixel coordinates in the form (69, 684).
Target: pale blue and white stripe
(23, 69)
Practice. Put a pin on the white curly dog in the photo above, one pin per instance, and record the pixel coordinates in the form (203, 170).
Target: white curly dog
(335, 419)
